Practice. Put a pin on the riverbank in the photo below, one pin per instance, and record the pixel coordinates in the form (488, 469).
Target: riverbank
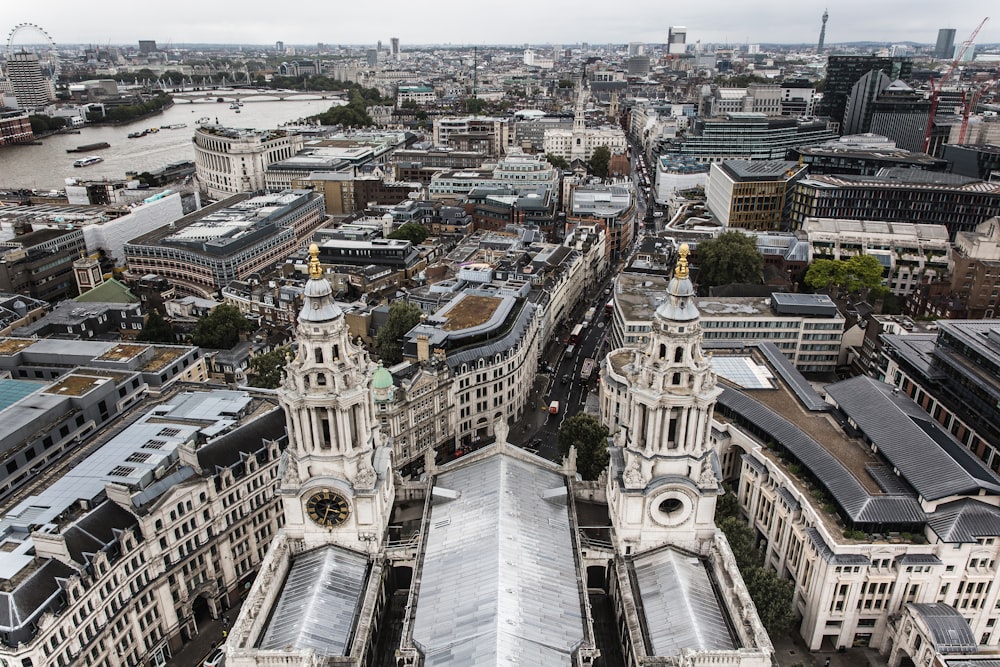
(131, 119)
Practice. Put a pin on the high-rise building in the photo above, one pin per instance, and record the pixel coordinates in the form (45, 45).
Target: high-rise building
(945, 47)
(394, 46)
(822, 32)
(279, 46)
(147, 46)
(676, 40)
(858, 111)
(32, 88)
(842, 72)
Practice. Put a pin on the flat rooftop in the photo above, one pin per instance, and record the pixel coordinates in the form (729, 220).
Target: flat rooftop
(469, 312)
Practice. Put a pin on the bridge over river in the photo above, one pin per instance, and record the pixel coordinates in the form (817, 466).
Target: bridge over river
(255, 95)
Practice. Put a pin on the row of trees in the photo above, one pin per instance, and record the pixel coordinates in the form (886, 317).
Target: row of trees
(772, 595)
(732, 258)
(45, 124)
(127, 112)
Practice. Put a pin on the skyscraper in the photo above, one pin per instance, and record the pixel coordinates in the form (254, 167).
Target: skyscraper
(676, 40)
(945, 47)
(32, 88)
(842, 72)
(822, 32)
(394, 46)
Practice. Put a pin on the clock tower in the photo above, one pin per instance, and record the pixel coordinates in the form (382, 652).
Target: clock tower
(337, 480)
(663, 483)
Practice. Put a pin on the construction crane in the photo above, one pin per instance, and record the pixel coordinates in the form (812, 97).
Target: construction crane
(935, 89)
(970, 106)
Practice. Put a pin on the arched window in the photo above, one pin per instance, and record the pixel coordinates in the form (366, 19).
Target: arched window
(663, 351)
(318, 354)
(678, 354)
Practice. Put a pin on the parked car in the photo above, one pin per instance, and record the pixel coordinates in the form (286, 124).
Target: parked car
(217, 658)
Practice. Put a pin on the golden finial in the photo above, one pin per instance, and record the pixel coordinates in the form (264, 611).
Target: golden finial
(681, 271)
(315, 270)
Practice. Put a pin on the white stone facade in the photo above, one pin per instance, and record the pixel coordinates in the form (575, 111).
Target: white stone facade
(230, 161)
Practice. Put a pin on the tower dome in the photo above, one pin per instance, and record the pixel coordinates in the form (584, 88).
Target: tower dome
(382, 378)
(679, 305)
(318, 304)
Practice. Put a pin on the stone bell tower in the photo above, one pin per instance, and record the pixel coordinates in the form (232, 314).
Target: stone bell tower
(337, 479)
(666, 487)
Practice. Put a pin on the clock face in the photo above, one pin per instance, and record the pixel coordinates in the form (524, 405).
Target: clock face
(328, 508)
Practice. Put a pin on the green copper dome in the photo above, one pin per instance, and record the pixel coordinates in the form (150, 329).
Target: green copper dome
(382, 379)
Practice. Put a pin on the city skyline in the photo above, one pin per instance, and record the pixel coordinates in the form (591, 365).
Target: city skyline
(519, 23)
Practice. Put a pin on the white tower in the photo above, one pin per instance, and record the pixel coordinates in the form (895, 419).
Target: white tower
(337, 484)
(666, 487)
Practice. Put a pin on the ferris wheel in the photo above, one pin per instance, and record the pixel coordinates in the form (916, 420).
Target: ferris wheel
(45, 48)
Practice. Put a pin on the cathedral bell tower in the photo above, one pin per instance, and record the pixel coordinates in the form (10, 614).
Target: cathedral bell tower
(337, 482)
(665, 487)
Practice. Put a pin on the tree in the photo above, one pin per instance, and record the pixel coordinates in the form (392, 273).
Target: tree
(557, 161)
(403, 316)
(824, 274)
(221, 329)
(599, 161)
(861, 274)
(266, 369)
(730, 258)
(772, 596)
(156, 330)
(413, 232)
(590, 437)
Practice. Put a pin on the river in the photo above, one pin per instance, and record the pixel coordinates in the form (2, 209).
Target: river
(47, 167)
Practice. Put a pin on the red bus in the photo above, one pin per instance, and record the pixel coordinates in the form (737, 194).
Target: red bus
(576, 334)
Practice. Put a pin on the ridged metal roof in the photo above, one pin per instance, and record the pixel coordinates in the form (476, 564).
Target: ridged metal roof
(853, 498)
(965, 520)
(679, 603)
(950, 632)
(499, 583)
(318, 603)
(926, 456)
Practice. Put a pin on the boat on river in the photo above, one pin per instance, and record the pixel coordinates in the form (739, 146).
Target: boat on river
(87, 161)
(89, 147)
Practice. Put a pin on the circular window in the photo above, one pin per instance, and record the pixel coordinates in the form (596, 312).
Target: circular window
(671, 505)
(672, 508)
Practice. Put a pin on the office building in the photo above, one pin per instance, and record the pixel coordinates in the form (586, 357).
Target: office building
(394, 48)
(473, 133)
(33, 89)
(980, 161)
(201, 252)
(676, 40)
(898, 195)
(230, 161)
(15, 127)
(945, 47)
(900, 113)
(952, 377)
(147, 46)
(860, 103)
(39, 263)
(752, 194)
(910, 254)
(866, 155)
(843, 71)
(159, 525)
(746, 136)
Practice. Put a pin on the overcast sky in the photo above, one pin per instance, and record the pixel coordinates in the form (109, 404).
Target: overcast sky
(507, 22)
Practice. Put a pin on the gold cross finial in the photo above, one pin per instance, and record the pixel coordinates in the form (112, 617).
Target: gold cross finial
(681, 271)
(315, 270)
